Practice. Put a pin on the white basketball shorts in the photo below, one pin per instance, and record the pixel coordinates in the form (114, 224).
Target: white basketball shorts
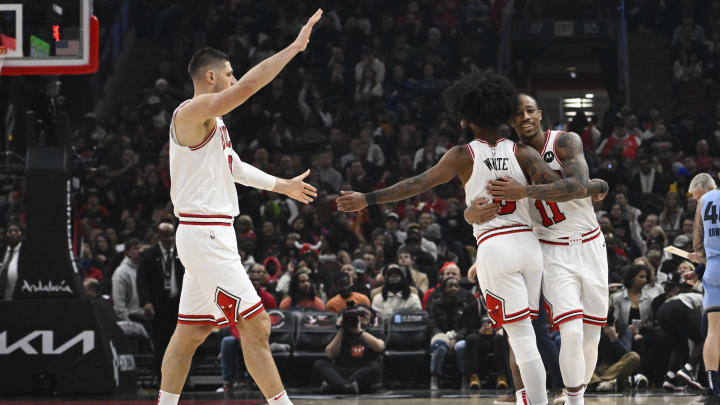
(575, 279)
(509, 269)
(216, 289)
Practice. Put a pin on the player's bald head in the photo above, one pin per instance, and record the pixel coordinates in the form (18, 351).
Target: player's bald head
(204, 59)
(166, 228)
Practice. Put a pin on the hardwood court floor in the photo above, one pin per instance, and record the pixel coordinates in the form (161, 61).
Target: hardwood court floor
(421, 397)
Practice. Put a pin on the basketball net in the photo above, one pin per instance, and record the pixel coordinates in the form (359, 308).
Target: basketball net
(3, 52)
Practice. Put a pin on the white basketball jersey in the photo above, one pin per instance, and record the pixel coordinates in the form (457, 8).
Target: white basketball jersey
(491, 163)
(201, 180)
(558, 221)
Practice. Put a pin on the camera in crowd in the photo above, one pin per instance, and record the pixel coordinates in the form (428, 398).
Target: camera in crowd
(351, 317)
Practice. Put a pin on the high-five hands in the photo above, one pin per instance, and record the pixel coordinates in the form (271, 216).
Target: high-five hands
(297, 189)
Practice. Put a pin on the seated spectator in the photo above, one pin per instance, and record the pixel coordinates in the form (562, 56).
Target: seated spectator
(353, 354)
(126, 301)
(454, 322)
(301, 295)
(615, 363)
(679, 318)
(631, 308)
(395, 294)
(356, 271)
(448, 270)
(343, 287)
(230, 348)
(407, 261)
(628, 144)
(670, 218)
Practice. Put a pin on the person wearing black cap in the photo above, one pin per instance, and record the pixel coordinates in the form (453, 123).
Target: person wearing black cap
(392, 220)
(395, 294)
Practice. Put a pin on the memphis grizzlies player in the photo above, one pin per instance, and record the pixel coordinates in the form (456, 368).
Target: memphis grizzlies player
(706, 242)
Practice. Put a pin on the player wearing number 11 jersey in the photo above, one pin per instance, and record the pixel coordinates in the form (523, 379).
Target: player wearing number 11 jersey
(575, 278)
(509, 259)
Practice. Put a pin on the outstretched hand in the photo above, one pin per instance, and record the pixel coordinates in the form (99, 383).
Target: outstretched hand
(350, 201)
(304, 36)
(507, 189)
(297, 189)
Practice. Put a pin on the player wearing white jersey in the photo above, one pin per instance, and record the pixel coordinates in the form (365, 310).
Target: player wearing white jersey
(575, 260)
(204, 168)
(509, 255)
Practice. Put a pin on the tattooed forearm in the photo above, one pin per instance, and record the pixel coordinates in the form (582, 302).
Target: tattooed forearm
(404, 189)
(560, 190)
(597, 186)
(699, 233)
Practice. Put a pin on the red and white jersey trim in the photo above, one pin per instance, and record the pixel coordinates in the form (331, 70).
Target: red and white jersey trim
(202, 320)
(205, 219)
(586, 237)
(502, 230)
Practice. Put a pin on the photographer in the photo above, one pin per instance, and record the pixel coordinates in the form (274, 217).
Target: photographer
(353, 354)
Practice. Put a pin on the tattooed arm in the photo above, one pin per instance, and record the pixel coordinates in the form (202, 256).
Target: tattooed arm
(548, 185)
(597, 188)
(698, 256)
(455, 161)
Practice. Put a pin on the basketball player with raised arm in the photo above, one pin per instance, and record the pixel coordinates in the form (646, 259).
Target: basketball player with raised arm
(575, 276)
(510, 282)
(706, 244)
(216, 290)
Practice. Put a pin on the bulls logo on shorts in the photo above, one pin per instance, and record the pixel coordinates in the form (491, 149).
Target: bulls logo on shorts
(549, 156)
(495, 308)
(228, 304)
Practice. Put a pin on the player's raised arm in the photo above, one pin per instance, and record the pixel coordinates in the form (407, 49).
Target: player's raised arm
(452, 164)
(213, 105)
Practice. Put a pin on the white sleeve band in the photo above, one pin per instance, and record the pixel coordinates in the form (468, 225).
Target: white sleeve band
(249, 175)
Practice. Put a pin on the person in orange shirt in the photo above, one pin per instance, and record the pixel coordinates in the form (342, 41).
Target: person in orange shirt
(343, 286)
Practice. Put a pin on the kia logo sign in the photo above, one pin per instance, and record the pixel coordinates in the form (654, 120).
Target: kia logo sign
(29, 343)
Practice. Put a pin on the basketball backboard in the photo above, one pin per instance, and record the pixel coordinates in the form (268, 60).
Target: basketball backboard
(48, 37)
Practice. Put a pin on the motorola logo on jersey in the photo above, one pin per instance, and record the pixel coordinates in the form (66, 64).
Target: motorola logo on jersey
(549, 156)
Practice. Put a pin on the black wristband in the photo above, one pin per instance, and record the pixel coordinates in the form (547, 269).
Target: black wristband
(370, 198)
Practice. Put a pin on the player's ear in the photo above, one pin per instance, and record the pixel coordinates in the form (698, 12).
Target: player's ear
(463, 125)
(210, 76)
(540, 112)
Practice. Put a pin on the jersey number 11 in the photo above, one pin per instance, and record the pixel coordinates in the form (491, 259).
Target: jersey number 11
(546, 220)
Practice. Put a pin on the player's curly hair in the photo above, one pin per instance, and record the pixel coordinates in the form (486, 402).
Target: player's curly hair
(486, 99)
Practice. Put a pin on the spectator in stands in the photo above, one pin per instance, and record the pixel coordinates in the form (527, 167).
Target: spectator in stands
(646, 180)
(395, 294)
(631, 308)
(353, 353)
(12, 259)
(124, 287)
(302, 293)
(454, 322)
(407, 262)
(679, 318)
(688, 32)
(159, 281)
(626, 143)
(671, 216)
(230, 348)
(356, 271)
(448, 270)
(345, 293)
(615, 363)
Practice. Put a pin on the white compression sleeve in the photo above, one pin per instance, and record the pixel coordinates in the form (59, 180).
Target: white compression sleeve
(572, 360)
(249, 175)
(522, 340)
(591, 340)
